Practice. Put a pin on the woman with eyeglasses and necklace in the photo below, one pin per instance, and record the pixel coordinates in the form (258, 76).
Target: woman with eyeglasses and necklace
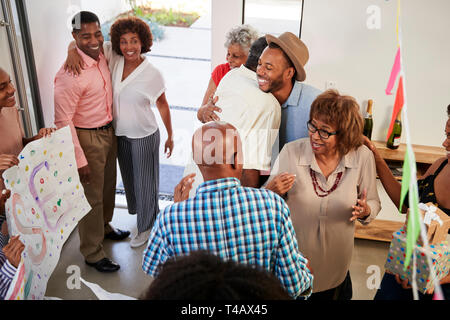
(329, 182)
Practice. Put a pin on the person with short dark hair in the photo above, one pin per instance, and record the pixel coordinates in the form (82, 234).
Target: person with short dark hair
(85, 105)
(250, 226)
(83, 17)
(281, 72)
(201, 275)
(137, 85)
(329, 180)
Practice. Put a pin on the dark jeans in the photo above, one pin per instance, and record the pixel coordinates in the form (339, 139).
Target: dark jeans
(342, 292)
(391, 290)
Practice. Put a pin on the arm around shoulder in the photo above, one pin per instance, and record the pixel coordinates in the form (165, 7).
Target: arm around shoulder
(368, 182)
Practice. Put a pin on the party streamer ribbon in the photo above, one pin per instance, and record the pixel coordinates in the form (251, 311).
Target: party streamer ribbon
(398, 105)
(409, 180)
(394, 73)
(430, 214)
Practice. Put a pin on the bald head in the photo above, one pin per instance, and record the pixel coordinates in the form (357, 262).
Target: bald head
(217, 150)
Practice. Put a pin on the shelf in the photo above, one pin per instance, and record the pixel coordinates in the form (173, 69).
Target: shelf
(423, 154)
(379, 230)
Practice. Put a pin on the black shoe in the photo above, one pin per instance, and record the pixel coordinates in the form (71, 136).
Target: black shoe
(117, 234)
(104, 265)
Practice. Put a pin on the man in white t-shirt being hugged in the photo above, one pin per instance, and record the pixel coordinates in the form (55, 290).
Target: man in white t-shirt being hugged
(254, 113)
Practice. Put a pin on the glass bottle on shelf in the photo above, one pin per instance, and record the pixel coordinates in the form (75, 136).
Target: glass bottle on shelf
(394, 139)
(368, 121)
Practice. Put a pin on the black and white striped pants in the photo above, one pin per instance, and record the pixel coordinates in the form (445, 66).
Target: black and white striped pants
(139, 166)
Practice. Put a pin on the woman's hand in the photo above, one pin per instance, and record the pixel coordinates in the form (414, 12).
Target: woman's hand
(282, 183)
(181, 192)
(168, 147)
(74, 63)
(362, 209)
(444, 280)
(13, 251)
(372, 147)
(3, 197)
(404, 283)
(206, 113)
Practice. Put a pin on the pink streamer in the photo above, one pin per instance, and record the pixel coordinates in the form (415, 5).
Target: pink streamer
(437, 296)
(394, 73)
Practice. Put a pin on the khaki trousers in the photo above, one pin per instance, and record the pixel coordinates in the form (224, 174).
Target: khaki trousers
(100, 149)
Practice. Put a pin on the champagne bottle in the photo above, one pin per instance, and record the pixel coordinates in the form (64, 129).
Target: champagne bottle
(394, 140)
(368, 121)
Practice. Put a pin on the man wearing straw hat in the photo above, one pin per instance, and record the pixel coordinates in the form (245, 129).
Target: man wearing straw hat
(281, 71)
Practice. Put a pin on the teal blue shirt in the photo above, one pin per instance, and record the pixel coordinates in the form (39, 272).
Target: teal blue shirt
(295, 113)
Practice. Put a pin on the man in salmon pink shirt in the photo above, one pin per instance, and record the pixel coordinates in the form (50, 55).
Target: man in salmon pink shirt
(85, 104)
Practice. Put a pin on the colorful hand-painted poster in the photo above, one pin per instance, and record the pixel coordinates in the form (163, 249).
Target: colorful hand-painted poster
(47, 201)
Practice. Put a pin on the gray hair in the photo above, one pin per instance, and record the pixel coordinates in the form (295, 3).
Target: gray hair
(243, 35)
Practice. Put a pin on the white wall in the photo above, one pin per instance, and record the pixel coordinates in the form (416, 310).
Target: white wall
(50, 32)
(359, 60)
(342, 49)
(105, 9)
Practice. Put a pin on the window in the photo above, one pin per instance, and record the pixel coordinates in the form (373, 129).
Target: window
(274, 16)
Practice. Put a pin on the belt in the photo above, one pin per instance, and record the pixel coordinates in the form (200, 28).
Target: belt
(106, 126)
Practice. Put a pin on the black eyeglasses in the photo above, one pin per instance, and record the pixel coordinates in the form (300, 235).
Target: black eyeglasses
(322, 133)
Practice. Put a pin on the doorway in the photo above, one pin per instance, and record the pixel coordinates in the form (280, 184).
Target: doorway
(17, 59)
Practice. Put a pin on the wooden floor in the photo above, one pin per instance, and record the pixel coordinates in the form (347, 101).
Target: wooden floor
(380, 230)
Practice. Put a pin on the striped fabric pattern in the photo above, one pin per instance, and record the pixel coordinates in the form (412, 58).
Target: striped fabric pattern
(139, 167)
(250, 226)
(7, 270)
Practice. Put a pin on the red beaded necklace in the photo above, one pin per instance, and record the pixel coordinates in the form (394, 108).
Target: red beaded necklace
(316, 184)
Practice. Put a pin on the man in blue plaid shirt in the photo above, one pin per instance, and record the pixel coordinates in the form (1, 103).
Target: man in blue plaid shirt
(247, 225)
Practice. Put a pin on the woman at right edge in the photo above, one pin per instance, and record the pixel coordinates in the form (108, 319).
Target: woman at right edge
(433, 187)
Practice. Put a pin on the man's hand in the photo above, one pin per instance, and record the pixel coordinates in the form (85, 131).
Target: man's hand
(13, 251)
(44, 132)
(362, 209)
(206, 113)
(282, 183)
(181, 192)
(7, 161)
(309, 267)
(85, 174)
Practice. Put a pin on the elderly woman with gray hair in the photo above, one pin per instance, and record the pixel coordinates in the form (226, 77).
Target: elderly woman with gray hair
(238, 42)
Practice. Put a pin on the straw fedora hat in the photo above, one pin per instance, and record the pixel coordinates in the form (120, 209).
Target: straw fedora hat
(295, 49)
